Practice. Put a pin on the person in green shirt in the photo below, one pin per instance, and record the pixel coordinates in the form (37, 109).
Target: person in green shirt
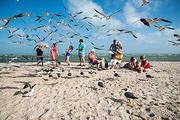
(81, 52)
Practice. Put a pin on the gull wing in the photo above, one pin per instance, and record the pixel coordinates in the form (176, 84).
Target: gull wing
(162, 19)
(100, 13)
(128, 31)
(114, 12)
(176, 35)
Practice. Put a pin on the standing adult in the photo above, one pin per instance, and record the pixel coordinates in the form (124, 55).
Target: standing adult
(54, 54)
(81, 52)
(113, 48)
(39, 55)
(119, 47)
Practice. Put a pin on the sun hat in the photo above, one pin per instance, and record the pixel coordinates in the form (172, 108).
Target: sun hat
(93, 50)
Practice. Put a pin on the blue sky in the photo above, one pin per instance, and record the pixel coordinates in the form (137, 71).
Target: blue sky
(150, 40)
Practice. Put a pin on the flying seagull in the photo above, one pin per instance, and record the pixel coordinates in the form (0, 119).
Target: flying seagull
(98, 48)
(176, 35)
(149, 21)
(47, 14)
(129, 94)
(15, 17)
(127, 31)
(163, 27)
(81, 25)
(145, 2)
(107, 17)
(174, 43)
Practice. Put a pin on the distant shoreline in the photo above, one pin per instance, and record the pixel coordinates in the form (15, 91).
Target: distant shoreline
(108, 54)
(74, 57)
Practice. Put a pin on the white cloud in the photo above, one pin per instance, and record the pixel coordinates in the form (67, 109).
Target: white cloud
(132, 16)
(88, 6)
(158, 37)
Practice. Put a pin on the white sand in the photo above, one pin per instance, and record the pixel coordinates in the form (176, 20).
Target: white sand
(80, 98)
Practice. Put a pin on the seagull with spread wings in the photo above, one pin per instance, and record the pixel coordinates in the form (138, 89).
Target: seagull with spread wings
(161, 28)
(176, 35)
(98, 48)
(174, 43)
(105, 16)
(127, 31)
(81, 25)
(15, 17)
(149, 21)
(47, 14)
(96, 27)
(145, 2)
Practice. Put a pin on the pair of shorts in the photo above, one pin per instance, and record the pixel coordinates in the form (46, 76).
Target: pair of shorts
(68, 54)
(39, 58)
(81, 55)
(114, 62)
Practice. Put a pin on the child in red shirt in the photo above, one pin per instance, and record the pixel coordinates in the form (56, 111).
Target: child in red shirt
(145, 64)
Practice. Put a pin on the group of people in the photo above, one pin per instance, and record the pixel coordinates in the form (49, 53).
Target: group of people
(134, 64)
(115, 50)
(54, 54)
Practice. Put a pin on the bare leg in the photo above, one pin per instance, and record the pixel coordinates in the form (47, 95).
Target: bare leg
(147, 70)
(38, 62)
(102, 63)
(80, 60)
(83, 59)
(67, 60)
(56, 62)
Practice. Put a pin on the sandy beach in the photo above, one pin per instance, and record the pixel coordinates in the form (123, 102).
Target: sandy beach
(78, 97)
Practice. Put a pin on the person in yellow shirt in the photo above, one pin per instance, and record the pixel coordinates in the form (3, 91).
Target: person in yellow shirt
(118, 57)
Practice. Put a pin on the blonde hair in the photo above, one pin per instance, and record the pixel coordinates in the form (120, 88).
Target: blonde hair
(119, 44)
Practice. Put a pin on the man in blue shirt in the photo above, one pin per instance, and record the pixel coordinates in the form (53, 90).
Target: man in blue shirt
(81, 52)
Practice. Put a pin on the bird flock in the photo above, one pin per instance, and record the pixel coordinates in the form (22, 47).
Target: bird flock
(57, 28)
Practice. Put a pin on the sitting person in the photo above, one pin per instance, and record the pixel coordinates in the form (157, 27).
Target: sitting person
(68, 51)
(132, 63)
(137, 67)
(145, 64)
(39, 55)
(117, 59)
(94, 60)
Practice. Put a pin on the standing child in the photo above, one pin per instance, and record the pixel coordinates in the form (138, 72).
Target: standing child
(54, 54)
(68, 51)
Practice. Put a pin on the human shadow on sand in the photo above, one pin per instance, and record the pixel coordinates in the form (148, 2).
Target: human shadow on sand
(25, 75)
